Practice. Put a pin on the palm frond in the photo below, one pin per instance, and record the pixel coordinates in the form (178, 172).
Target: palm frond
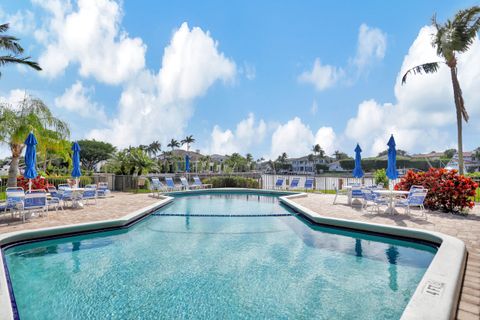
(9, 59)
(430, 67)
(11, 44)
(4, 27)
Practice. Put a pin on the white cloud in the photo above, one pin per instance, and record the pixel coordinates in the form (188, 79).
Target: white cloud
(249, 71)
(296, 139)
(89, 34)
(77, 99)
(13, 98)
(158, 106)
(423, 117)
(326, 138)
(371, 47)
(21, 22)
(247, 134)
(372, 44)
(321, 76)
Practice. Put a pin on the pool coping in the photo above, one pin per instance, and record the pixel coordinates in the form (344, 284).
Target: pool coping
(436, 296)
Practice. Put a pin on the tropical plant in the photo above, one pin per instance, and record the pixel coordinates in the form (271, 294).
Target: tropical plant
(232, 182)
(53, 147)
(447, 190)
(380, 176)
(139, 161)
(188, 140)
(14, 49)
(31, 115)
(317, 149)
(173, 144)
(452, 38)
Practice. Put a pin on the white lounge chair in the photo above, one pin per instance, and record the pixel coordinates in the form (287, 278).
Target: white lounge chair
(199, 184)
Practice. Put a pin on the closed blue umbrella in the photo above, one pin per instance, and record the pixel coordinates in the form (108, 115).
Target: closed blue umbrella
(187, 163)
(76, 173)
(357, 171)
(30, 159)
(392, 173)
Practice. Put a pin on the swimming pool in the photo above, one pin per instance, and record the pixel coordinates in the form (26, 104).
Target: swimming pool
(226, 255)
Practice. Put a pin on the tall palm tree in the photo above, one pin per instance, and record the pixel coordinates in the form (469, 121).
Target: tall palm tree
(452, 38)
(14, 49)
(15, 124)
(188, 140)
(153, 148)
(316, 149)
(173, 144)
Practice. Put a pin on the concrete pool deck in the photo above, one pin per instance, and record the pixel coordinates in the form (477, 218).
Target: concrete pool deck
(466, 228)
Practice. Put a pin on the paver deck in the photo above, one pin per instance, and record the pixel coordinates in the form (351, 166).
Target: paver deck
(120, 204)
(466, 228)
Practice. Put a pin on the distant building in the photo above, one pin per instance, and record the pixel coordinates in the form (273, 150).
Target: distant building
(335, 166)
(470, 161)
(430, 156)
(304, 165)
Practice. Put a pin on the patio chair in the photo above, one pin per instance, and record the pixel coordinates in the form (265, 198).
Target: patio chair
(156, 186)
(102, 190)
(356, 193)
(197, 182)
(309, 183)
(55, 198)
(170, 184)
(185, 184)
(370, 197)
(294, 183)
(279, 183)
(339, 192)
(15, 197)
(415, 198)
(35, 201)
(90, 193)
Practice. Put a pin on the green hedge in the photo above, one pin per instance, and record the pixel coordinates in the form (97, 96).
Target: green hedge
(232, 182)
(375, 164)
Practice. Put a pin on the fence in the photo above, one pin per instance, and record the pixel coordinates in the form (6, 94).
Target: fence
(321, 183)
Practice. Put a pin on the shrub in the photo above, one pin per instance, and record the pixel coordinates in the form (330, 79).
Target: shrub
(232, 182)
(380, 176)
(447, 190)
(38, 183)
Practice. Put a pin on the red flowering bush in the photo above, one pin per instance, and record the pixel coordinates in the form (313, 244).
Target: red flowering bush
(447, 190)
(38, 183)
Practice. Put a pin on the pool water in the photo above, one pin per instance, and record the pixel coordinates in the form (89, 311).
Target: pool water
(189, 261)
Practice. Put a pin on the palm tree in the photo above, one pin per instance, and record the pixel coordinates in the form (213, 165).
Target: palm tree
(15, 124)
(10, 44)
(188, 140)
(452, 38)
(316, 149)
(153, 148)
(173, 144)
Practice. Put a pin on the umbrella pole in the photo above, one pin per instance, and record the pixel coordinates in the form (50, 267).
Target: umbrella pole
(29, 185)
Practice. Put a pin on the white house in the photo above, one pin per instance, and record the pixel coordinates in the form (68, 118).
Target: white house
(303, 165)
(471, 163)
(335, 166)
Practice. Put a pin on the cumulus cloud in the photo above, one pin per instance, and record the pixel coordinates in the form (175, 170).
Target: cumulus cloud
(158, 106)
(21, 22)
(372, 44)
(89, 35)
(321, 76)
(423, 116)
(371, 47)
(77, 99)
(13, 98)
(248, 133)
(296, 139)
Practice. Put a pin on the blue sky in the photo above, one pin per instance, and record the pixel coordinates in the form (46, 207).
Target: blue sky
(242, 77)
